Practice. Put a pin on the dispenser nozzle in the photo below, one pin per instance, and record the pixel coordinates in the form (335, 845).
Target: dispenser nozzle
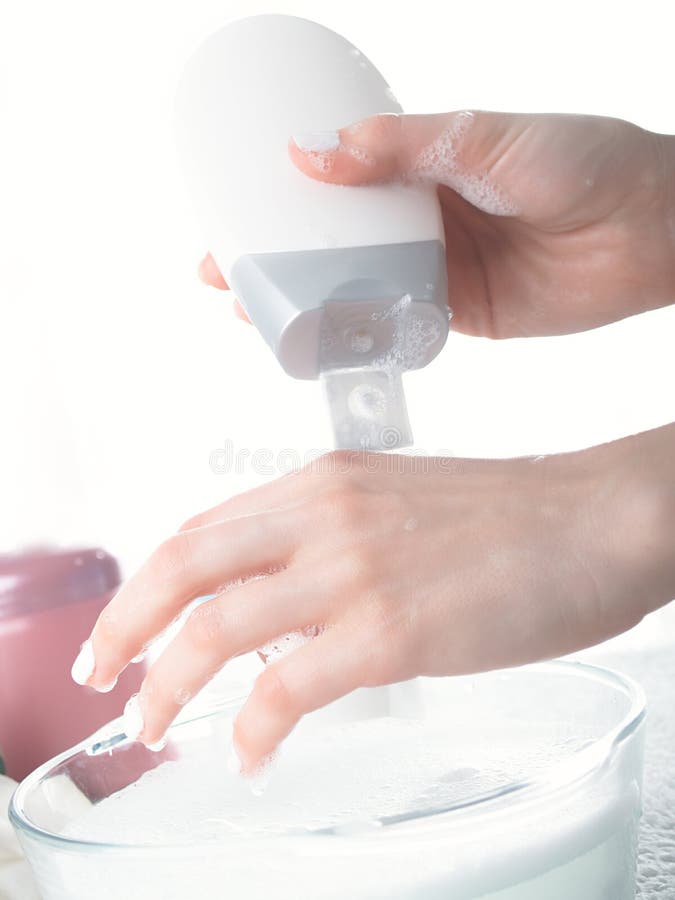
(367, 408)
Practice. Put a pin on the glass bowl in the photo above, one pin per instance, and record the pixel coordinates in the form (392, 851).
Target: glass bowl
(522, 784)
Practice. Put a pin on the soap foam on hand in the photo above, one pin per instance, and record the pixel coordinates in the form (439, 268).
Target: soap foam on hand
(438, 162)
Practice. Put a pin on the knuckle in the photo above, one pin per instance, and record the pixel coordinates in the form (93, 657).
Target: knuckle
(335, 462)
(192, 522)
(339, 460)
(363, 567)
(274, 693)
(341, 505)
(174, 556)
(348, 506)
(383, 128)
(204, 625)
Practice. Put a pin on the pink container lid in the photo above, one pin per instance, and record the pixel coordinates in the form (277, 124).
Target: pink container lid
(47, 577)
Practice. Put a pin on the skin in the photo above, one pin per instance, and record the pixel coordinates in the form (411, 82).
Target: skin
(593, 238)
(441, 566)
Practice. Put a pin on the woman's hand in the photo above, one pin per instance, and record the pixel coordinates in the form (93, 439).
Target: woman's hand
(407, 565)
(553, 223)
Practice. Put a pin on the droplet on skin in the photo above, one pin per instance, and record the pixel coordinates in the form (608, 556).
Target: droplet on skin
(360, 155)
(109, 619)
(321, 161)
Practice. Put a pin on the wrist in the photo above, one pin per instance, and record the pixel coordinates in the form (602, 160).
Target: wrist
(634, 499)
(666, 156)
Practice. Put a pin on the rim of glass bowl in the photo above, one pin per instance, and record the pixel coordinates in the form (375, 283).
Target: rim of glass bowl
(555, 778)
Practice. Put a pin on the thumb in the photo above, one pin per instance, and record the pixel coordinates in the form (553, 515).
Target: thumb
(463, 150)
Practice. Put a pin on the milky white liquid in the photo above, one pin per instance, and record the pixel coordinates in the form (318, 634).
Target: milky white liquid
(347, 776)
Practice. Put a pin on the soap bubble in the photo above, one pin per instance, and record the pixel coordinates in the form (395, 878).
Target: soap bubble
(438, 162)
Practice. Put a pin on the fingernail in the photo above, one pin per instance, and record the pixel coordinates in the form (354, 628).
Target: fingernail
(84, 665)
(317, 141)
(157, 746)
(106, 688)
(132, 718)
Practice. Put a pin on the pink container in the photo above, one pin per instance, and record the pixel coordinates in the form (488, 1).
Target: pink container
(49, 601)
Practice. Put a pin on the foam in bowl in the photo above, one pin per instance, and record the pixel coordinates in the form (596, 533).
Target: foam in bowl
(391, 805)
(343, 775)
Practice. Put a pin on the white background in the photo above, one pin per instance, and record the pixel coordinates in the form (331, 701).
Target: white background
(120, 373)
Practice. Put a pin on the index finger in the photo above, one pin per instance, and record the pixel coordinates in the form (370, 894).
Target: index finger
(188, 565)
